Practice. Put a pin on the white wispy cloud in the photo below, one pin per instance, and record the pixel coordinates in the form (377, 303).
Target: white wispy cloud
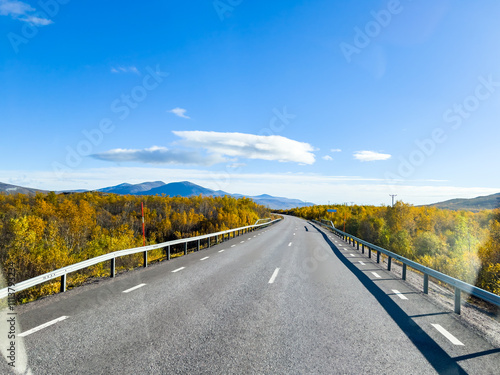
(181, 112)
(37, 21)
(335, 150)
(14, 8)
(125, 69)
(370, 156)
(250, 146)
(327, 157)
(22, 12)
(158, 155)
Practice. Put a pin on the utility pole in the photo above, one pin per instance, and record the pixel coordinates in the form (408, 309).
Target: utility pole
(393, 195)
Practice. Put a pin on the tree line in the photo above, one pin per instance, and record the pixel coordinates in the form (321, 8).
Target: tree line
(45, 232)
(461, 244)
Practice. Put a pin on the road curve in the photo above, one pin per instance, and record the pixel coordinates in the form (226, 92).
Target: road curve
(288, 299)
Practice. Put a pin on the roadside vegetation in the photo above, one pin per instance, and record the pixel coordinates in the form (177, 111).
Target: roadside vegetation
(462, 244)
(45, 232)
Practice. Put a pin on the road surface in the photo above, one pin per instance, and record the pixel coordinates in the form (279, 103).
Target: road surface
(288, 299)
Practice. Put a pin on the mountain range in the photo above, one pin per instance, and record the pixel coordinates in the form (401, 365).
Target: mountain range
(184, 189)
(487, 202)
(187, 189)
(13, 189)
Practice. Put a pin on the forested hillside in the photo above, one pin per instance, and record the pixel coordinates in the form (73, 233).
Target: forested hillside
(44, 232)
(462, 244)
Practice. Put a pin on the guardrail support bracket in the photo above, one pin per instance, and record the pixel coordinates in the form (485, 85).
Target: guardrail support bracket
(63, 283)
(458, 303)
(112, 267)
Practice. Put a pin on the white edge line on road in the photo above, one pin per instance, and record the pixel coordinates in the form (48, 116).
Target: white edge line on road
(447, 334)
(376, 274)
(290, 244)
(133, 288)
(220, 251)
(42, 326)
(273, 277)
(178, 269)
(399, 294)
(204, 258)
(362, 263)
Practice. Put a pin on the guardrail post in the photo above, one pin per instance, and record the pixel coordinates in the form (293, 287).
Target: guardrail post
(404, 271)
(209, 238)
(389, 260)
(63, 283)
(378, 256)
(168, 252)
(198, 246)
(458, 303)
(357, 245)
(145, 259)
(185, 248)
(112, 267)
(362, 248)
(369, 252)
(426, 283)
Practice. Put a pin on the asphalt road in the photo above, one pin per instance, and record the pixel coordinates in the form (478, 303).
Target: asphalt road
(288, 299)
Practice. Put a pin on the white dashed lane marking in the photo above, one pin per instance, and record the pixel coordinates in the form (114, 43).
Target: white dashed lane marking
(42, 326)
(273, 277)
(133, 288)
(178, 269)
(447, 334)
(399, 294)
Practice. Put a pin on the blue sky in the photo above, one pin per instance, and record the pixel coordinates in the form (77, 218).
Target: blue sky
(325, 101)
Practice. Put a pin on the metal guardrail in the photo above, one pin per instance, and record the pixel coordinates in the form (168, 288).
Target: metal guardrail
(262, 220)
(62, 272)
(459, 285)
